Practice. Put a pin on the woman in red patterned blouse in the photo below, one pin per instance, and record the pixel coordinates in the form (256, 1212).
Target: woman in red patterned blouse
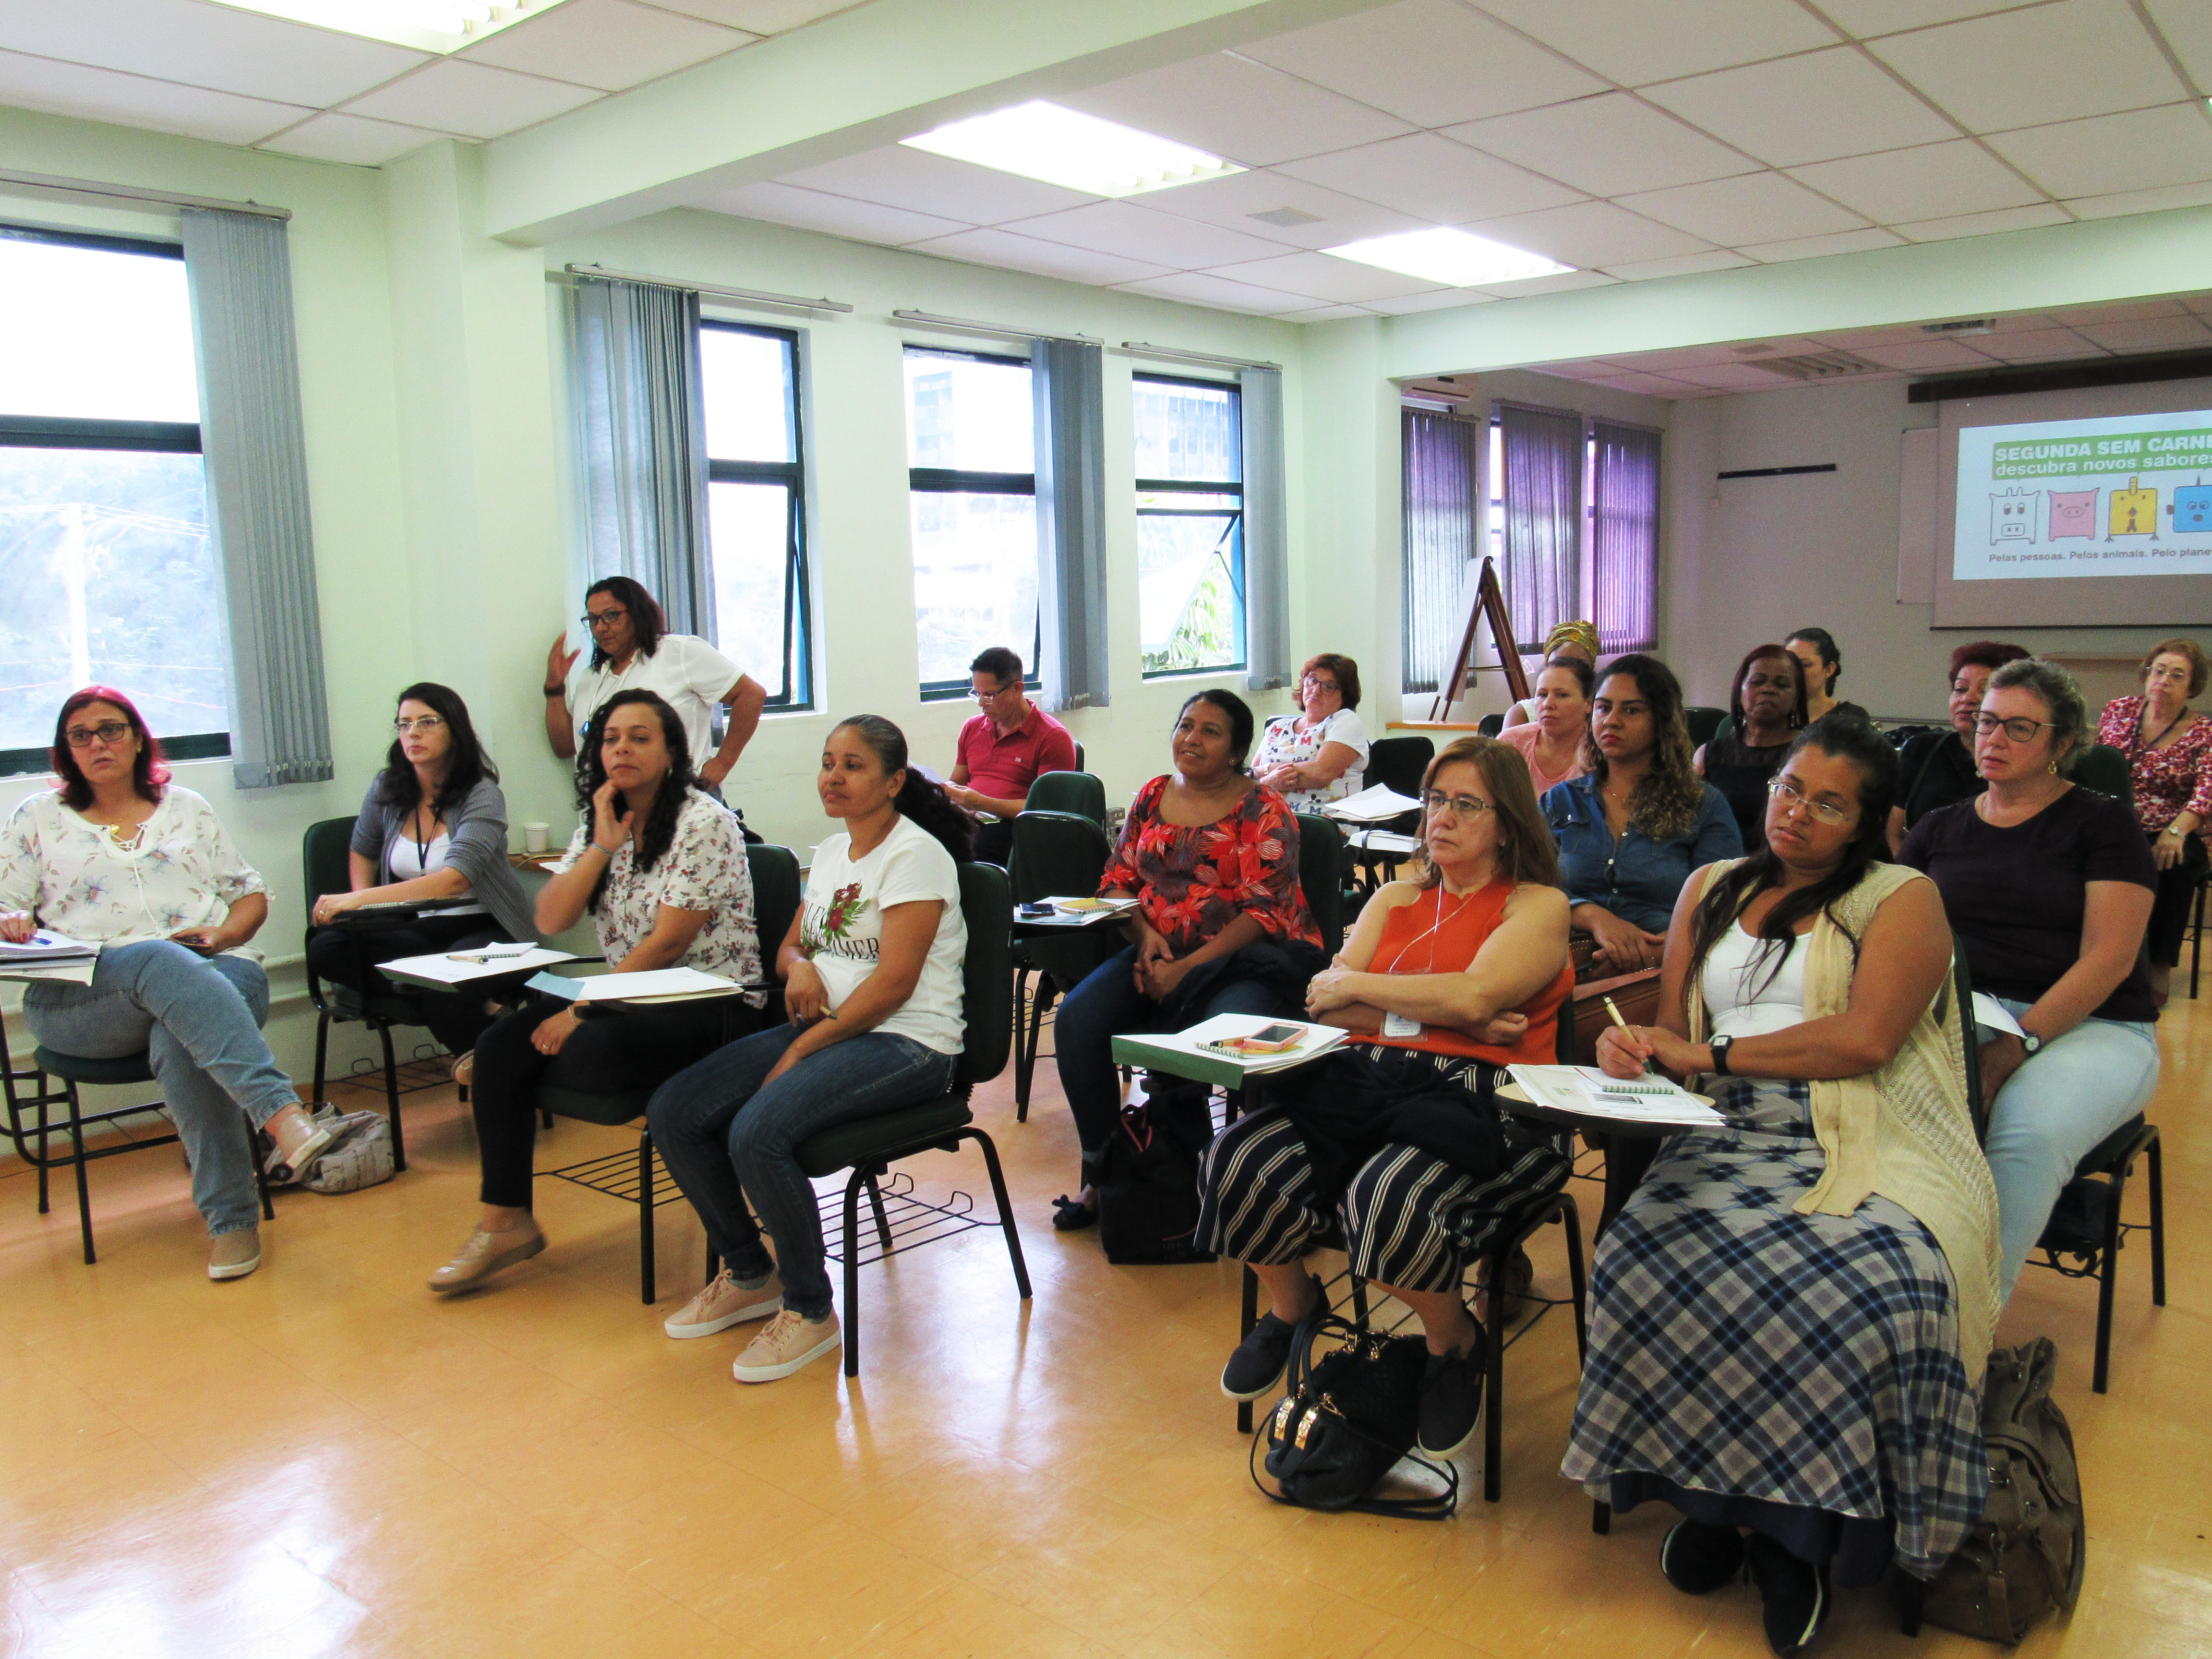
(1212, 858)
(2169, 751)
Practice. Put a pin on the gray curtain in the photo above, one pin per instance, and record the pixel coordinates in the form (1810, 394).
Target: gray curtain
(1068, 384)
(1625, 557)
(239, 269)
(643, 440)
(1543, 502)
(1267, 557)
(1442, 511)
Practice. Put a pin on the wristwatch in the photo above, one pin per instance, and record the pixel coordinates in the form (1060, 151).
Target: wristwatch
(2033, 1043)
(1720, 1046)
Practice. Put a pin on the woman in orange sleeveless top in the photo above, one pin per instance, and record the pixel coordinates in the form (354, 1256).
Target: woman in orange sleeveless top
(1394, 1143)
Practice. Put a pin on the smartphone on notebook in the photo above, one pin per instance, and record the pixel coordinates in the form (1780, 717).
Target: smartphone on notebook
(1278, 1039)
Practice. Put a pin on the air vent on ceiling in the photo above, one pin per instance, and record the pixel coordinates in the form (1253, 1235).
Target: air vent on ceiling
(1819, 366)
(1284, 217)
(1756, 348)
(1970, 326)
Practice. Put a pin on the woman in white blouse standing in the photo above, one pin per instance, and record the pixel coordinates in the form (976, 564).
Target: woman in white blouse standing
(1319, 754)
(120, 857)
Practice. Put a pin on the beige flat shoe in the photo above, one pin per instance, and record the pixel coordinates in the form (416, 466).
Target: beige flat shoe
(234, 1255)
(464, 1067)
(484, 1254)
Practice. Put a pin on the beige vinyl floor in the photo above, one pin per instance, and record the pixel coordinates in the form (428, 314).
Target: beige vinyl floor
(325, 1459)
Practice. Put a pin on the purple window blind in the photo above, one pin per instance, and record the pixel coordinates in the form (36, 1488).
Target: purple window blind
(1625, 557)
(1442, 510)
(1543, 502)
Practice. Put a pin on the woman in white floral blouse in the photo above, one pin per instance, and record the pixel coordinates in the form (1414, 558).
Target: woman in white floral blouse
(662, 869)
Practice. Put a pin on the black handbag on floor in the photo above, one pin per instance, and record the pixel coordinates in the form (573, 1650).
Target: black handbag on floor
(1347, 1421)
(1147, 1180)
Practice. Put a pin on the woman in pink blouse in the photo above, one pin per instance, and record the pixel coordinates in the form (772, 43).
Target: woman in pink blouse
(1552, 743)
(1221, 925)
(2169, 751)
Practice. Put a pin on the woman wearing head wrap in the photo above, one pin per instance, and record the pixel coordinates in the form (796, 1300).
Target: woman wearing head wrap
(1570, 639)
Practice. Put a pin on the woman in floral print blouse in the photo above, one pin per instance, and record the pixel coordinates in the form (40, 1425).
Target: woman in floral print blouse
(2169, 751)
(1212, 858)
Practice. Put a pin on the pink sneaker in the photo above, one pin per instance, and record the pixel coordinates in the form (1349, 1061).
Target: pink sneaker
(723, 1304)
(790, 1343)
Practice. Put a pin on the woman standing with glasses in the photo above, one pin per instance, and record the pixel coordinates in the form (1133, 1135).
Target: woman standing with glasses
(632, 650)
(432, 828)
(2169, 751)
(1319, 754)
(2048, 887)
(119, 857)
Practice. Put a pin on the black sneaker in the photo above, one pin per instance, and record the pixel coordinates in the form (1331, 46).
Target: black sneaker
(1257, 1365)
(1451, 1401)
(1698, 1559)
(1795, 1593)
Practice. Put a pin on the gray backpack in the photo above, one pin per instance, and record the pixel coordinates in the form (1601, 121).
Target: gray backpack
(359, 1156)
(2027, 1553)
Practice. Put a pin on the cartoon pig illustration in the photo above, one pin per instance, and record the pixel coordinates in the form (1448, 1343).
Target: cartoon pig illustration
(2074, 512)
(2012, 514)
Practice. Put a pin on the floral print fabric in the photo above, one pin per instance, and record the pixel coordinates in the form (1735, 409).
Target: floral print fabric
(2170, 781)
(1192, 881)
(704, 869)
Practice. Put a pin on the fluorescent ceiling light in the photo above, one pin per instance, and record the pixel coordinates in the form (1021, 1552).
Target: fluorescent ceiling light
(1453, 258)
(427, 25)
(1038, 140)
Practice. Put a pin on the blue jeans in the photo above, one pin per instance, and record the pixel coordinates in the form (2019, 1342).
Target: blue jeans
(726, 1135)
(1107, 1005)
(2052, 1111)
(199, 1019)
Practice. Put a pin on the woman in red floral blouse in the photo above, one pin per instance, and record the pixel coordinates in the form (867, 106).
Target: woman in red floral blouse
(2169, 751)
(1221, 926)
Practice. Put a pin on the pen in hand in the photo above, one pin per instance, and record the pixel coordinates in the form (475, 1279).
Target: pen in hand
(1623, 1024)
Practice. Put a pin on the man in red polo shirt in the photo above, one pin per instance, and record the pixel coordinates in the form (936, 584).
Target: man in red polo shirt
(1002, 749)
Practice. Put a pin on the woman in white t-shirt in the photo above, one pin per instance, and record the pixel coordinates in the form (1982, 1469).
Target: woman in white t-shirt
(632, 650)
(1321, 755)
(872, 981)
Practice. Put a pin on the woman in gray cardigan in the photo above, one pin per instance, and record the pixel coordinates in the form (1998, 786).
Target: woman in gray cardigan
(432, 828)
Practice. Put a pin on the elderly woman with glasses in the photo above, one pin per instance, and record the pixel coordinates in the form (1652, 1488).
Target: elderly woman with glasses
(432, 832)
(1002, 750)
(2169, 751)
(1319, 754)
(2048, 887)
(632, 650)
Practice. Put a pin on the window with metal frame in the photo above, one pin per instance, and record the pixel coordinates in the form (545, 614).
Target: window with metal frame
(106, 552)
(972, 455)
(760, 604)
(1190, 525)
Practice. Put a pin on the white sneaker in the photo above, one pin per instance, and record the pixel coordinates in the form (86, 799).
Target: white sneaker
(723, 1304)
(790, 1343)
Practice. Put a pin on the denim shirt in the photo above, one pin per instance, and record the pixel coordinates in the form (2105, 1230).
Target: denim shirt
(1639, 879)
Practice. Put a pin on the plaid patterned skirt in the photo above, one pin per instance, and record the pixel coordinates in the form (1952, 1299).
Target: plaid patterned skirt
(1739, 1348)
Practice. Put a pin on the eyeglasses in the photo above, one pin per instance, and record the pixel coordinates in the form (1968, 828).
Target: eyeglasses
(1792, 798)
(107, 732)
(1461, 806)
(606, 618)
(426, 724)
(995, 691)
(2020, 728)
(1315, 684)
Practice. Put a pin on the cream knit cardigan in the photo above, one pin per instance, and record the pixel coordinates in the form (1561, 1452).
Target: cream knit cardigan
(1903, 1131)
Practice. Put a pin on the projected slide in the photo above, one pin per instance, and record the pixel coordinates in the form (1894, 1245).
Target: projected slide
(2120, 495)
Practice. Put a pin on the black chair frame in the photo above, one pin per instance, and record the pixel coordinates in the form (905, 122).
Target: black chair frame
(2108, 1165)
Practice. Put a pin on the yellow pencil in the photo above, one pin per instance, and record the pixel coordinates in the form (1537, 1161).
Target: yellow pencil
(1619, 1021)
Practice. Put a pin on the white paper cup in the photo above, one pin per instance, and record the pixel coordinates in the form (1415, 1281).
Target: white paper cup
(536, 837)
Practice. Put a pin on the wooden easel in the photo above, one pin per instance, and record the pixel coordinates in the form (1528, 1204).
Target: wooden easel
(1484, 599)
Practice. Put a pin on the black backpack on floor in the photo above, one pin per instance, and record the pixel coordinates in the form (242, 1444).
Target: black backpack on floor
(1147, 1180)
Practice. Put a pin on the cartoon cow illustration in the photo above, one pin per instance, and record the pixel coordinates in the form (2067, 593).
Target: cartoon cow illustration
(2012, 515)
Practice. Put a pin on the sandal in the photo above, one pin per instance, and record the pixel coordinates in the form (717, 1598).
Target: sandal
(1071, 1215)
(1520, 1274)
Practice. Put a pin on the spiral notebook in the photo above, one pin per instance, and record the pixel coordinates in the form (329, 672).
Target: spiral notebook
(1587, 1091)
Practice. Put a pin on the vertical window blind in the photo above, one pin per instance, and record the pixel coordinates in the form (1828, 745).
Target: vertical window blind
(1442, 518)
(1542, 489)
(1625, 537)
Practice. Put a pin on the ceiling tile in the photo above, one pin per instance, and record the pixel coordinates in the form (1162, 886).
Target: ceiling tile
(1004, 249)
(1326, 277)
(1732, 377)
(1431, 178)
(1983, 224)
(349, 138)
(1760, 207)
(1561, 283)
(2145, 150)
(133, 101)
(207, 46)
(2140, 201)
(1672, 361)
(2200, 305)
(608, 44)
(1449, 299)
(1819, 247)
(1857, 339)
(1927, 355)
(1689, 265)
(2153, 334)
(474, 98)
(1588, 233)
(833, 215)
(1811, 108)
(1196, 288)
(1634, 42)
(1429, 62)
(1651, 386)
(1231, 201)
(1237, 108)
(1608, 145)
(2051, 63)
(757, 16)
(1865, 19)
(1326, 314)
(2119, 311)
(1138, 232)
(2187, 27)
(899, 176)
(2040, 346)
(1930, 182)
